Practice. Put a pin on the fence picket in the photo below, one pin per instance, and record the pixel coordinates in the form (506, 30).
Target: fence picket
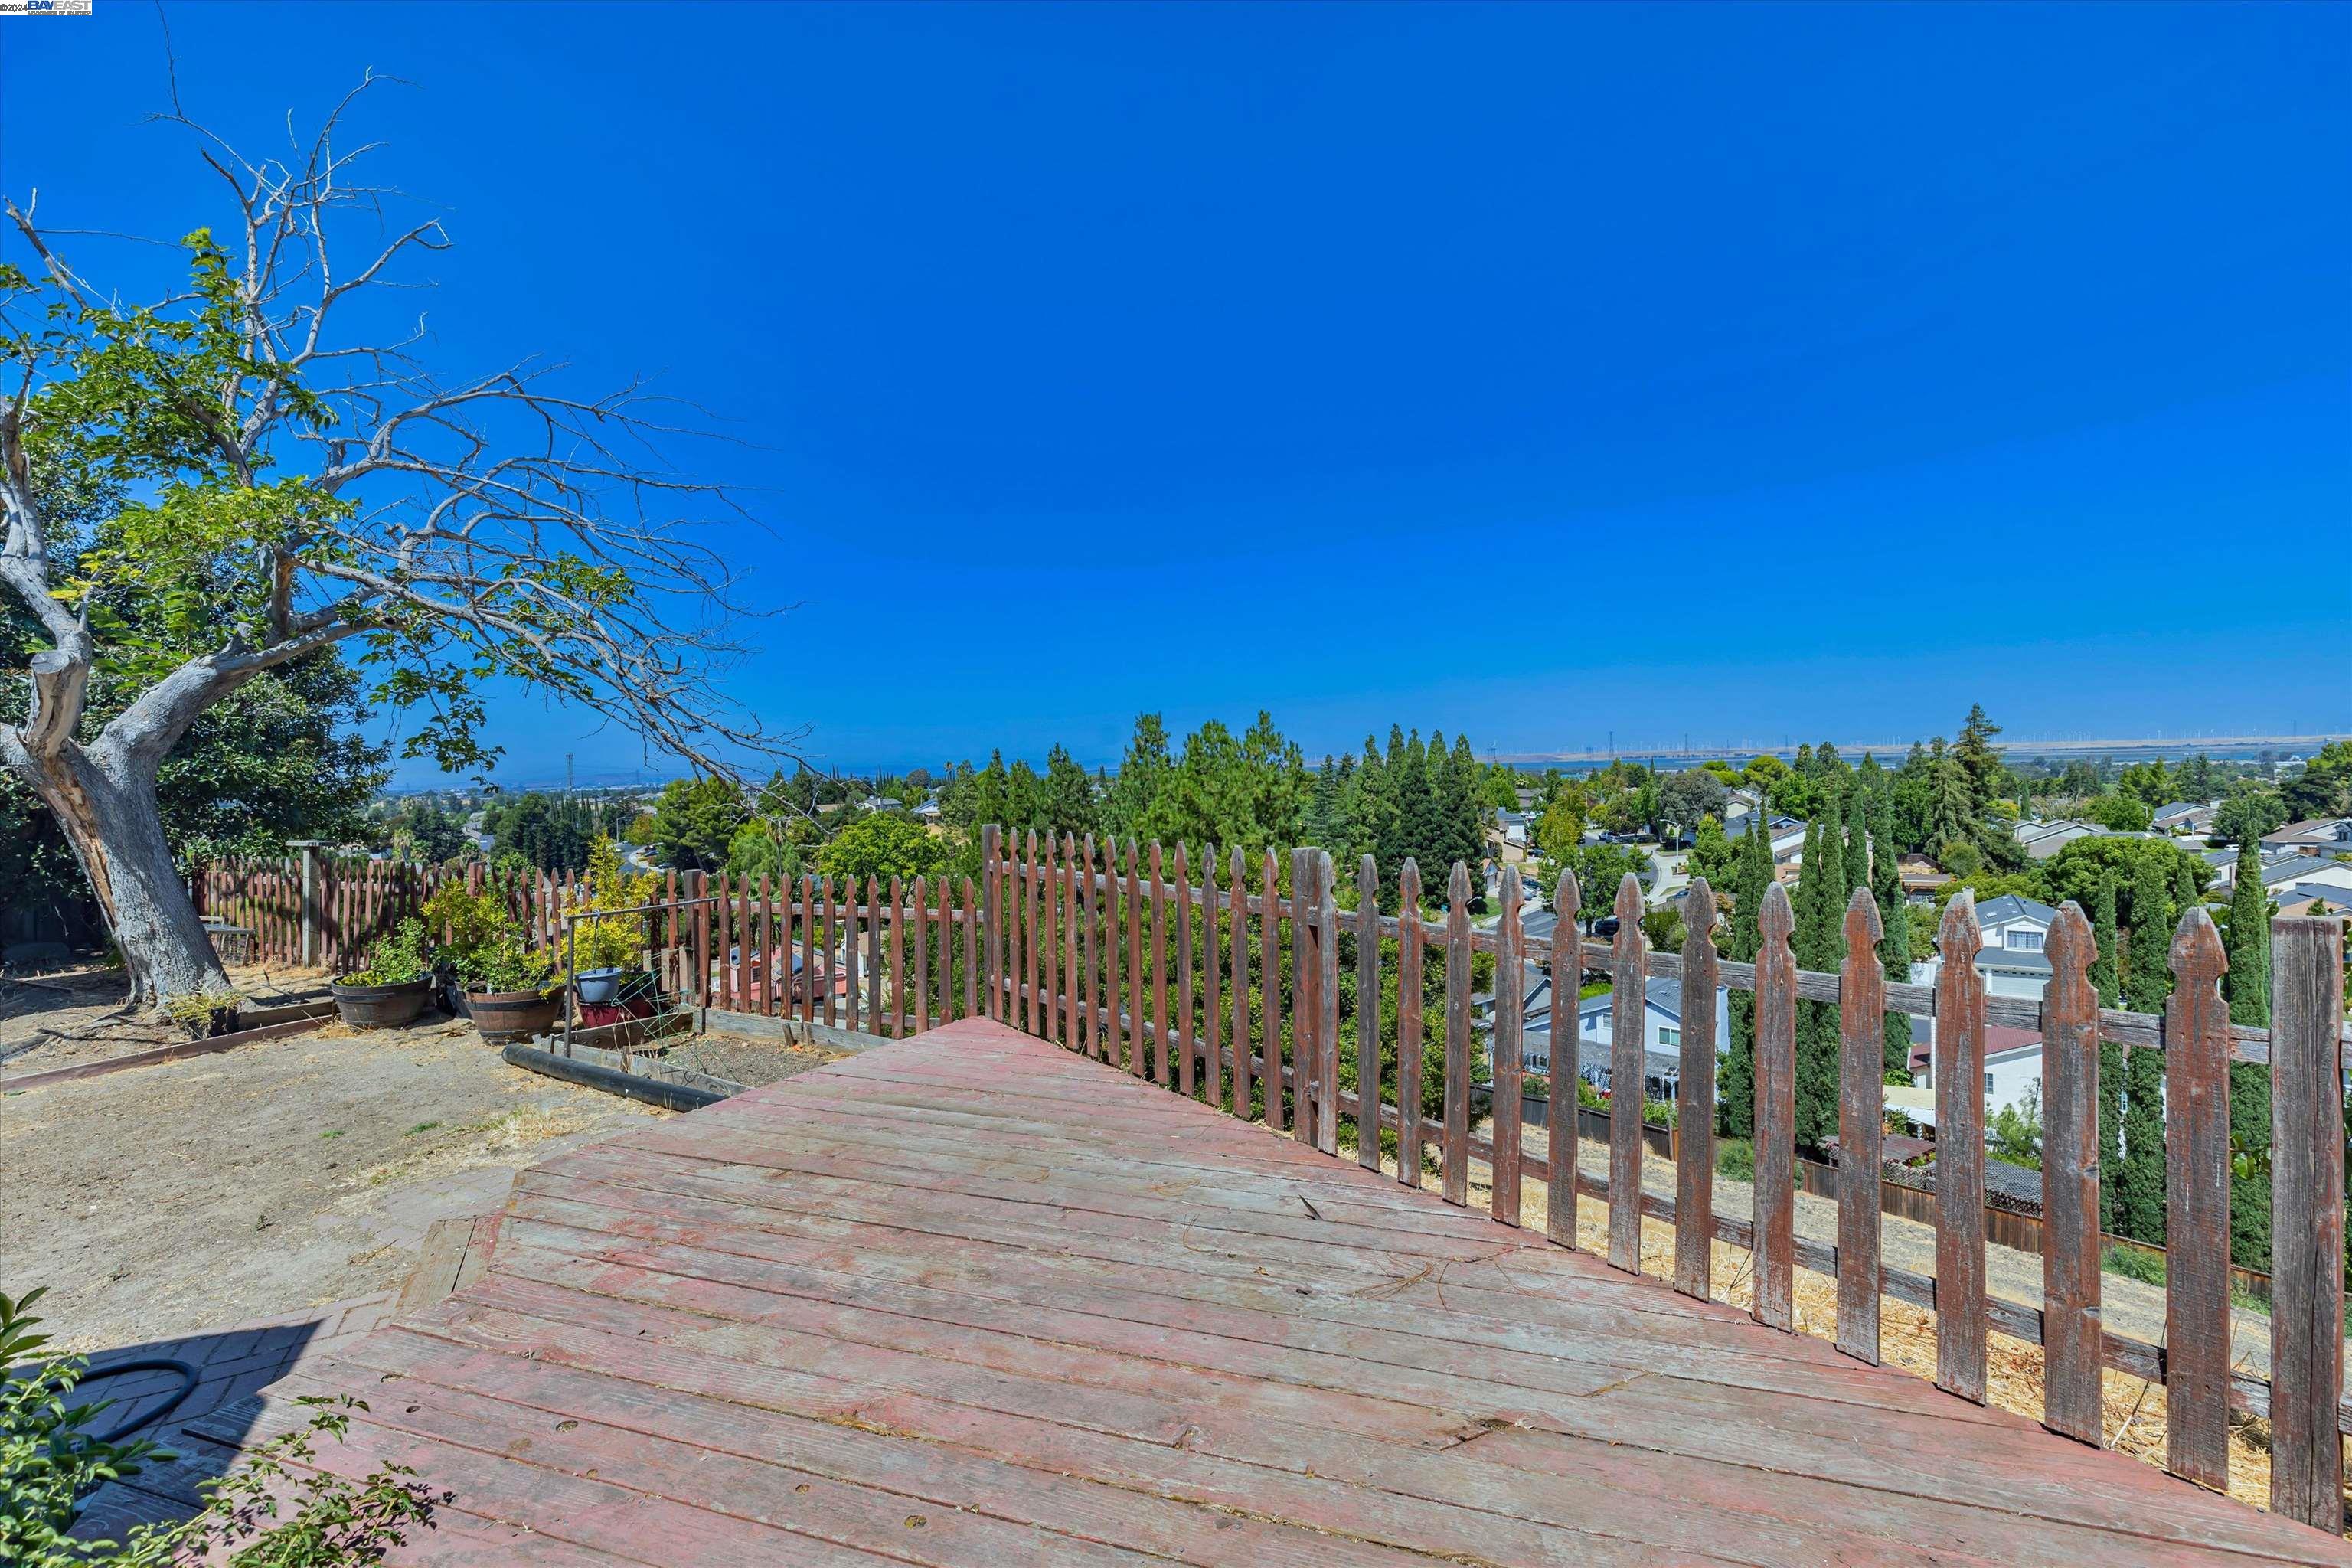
(2197, 1207)
(1240, 986)
(2070, 1402)
(1068, 994)
(1695, 1097)
(1115, 1021)
(833, 968)
(1959, 1130)
(971, 951)
(992, 894)
(1213, 999)
(1327, 1004)
(1185, 1073)
(1162, 1056)
(1510, 1046)
(1775, 1113)
(1269, 984)
(1561, 1069)
(874, 978)
(2307, 1246)
(1090, 1038)
(945, 999)
(1306, 1011)
(1629, 1021)
(1409, 1025)
(1862, 1120)
(1138, 985)
(1454, 1166)
(922, 956)
(1368, 1015)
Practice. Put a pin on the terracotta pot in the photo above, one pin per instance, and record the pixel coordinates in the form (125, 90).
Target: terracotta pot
(383, 1006)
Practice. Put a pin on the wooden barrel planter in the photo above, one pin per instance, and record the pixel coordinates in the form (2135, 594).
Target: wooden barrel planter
(503, 1016)
(383, 1006)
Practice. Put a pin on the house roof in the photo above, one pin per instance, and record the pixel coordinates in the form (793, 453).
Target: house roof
(2011, 907)
(2322, 829)
(2179, 809)
(1665, 995)
(2292, 867)
(2341, 897)
(2013, 958)
(1778, 822)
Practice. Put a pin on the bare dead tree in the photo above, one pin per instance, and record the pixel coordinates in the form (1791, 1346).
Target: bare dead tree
(312, 481)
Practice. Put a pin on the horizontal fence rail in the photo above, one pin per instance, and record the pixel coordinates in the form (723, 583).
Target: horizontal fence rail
(1344, 1038)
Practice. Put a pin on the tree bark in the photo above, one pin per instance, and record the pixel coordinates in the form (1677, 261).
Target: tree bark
(108, 813)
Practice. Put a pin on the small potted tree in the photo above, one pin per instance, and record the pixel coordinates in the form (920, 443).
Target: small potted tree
(508, 986)
(394, 984)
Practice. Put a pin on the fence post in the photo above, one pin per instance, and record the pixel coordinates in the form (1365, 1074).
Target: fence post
(2307, 1220)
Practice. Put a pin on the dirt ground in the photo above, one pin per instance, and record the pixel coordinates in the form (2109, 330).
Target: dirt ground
(263, 1181)
(72, 1015)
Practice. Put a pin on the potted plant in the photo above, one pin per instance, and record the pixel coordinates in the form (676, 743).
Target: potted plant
(394, 984)
(607, 951)
(508, 986)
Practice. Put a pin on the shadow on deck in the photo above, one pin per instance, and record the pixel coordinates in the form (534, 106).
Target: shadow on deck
(972, 1298)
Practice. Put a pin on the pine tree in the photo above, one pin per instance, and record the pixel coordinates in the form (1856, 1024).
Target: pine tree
(1069, 795)
(2147, 983)
(2248, 983)
(2104, 968)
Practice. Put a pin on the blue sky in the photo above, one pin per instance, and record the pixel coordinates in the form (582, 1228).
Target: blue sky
(1739, 372)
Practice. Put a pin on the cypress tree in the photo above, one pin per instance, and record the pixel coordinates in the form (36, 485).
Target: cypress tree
(1895, 916)
(1818, 941)
(2147, 983)
(1735, 1102)
(2248, 983)
(2109, 937)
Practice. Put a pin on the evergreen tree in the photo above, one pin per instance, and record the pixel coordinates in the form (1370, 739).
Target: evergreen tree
(2147, 983)
(1819, 944)
(2248, 983)
(2104, 968)
(1981, 766)
(1895, 947)
(1329, 815)
(1143, 774)
(1068, 802)
(1736, 1103)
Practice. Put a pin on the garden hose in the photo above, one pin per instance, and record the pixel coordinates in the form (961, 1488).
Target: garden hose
(147, 1363)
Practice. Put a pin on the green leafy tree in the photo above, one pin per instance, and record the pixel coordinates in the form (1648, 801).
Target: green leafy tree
(695, 822)
(883, 843)
(1893, 948)
(1066, 797)
(280, 483)
(2323, 788)
(2250, 810)
(1711, 855)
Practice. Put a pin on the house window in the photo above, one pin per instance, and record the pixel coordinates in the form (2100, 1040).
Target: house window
(1987, 1086)
(1669, 1037)
(2025, 941)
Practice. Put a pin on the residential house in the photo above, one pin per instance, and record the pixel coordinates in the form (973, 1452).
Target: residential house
(2312, 898)
(1922, 877)
(2040, 841)
(2321, 835)
(2012, 1064)
(1662, 1035)
(2185, 818)
(2014, 931)
(1510, 834)
(2290, 873)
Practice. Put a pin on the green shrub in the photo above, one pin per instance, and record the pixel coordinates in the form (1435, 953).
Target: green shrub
(51, 1460)
(1736, 1158)
(397, 959)
(2147, 1268)
(485, 946)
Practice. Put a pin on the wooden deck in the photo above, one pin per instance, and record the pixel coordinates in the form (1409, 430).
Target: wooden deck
(972, 1298)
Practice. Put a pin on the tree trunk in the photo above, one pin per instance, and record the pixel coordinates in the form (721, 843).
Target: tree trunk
(108, 813)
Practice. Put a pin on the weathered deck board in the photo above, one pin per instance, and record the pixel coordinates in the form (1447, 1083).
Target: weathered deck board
(973, 1298)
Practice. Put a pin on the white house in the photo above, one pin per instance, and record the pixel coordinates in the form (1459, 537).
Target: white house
(1662, 1035)
(2185, 818)
(2012, 1064)
(2284, 876)
(2322, 836)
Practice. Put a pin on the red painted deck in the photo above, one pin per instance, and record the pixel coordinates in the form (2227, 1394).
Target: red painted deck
(970, 1299)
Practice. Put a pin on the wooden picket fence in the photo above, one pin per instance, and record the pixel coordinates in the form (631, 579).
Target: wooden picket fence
(1065, 942)
(1085, 951)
